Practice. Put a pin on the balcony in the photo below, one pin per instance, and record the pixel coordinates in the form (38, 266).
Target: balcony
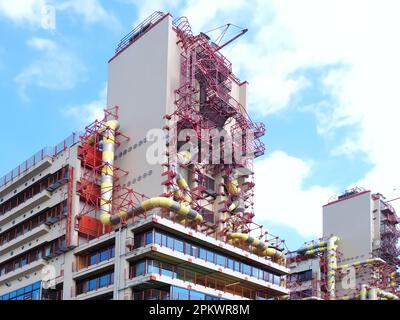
(25, 270)
(95, 293)
(193, 277)
(202, 285)
(164, 253)
(83, 272)
(27, 237)
(25, 206)
(160, 218)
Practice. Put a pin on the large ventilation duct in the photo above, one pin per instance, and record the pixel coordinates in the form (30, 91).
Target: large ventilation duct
(330, 246)
(259, 247)
(107, 172)
(152, 203)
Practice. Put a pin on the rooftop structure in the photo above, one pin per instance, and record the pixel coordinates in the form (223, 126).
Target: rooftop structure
(358, 256)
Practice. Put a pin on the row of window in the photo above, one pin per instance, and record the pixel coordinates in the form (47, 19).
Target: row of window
(31, 292)
(150, 266)
(33, 190)
(165, 240)
(47, 216)
(301, 276)
(95, 283)
(173, 293)
(96, 257)
(46, 250)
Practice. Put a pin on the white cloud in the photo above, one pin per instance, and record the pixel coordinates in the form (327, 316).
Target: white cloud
(33, 12)
(22, 11)
(88, 112)
(56, 68)
(92, 11)
(281, 198)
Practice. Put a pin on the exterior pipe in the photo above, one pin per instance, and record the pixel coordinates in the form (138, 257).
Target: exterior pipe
(106, 186)
(319, 245)
(183, 158)
(386, 295)
(259, 246)
(158, 202)
(359, 263)
(332, 265)
(363, 292)
(372, 293)
(331, 256)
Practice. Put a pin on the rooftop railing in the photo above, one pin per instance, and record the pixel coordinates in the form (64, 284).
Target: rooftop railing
(39, 156)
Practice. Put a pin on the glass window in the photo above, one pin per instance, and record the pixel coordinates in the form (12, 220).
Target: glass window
(246, 269)
(157, 238)
(179, 293)
(93, 259)
(28, 288)
(155, 267)
(220, 260)
(170, 242)
(103, 281)
(237, 266)
(104, 255)
(194, 295)
(179, 245)
(163, 240)
(139, 269)
(112, 252)
(188, 249)
(210, 256)
(230, 263)
(36, 285)
(195, 251)
(202, 254)
(168, 271)
(92, 285)
(254, 272)
(149, 237)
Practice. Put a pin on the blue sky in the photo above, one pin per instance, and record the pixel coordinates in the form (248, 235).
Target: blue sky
(326, 95)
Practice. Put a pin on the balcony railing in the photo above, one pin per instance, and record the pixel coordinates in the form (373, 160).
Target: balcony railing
(174, 272)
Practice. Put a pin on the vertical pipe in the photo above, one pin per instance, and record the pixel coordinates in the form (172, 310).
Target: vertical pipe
(372, 293)
(332, 265)
(107, 172)
(363, 292)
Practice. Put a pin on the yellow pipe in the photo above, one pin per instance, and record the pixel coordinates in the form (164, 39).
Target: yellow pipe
(386, 295)
(331, 256)
(259, 247)
(157, 202)
(107, 173)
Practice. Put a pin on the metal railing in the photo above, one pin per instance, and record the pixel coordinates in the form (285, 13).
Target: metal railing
(138, 31)
(196, 278)
(39, 156)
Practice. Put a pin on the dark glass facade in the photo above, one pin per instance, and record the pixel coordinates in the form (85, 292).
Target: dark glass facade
(166, 240)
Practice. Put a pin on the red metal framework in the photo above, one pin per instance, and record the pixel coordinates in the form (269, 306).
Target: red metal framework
(204, 103)
(92, 166)
(69, 208)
